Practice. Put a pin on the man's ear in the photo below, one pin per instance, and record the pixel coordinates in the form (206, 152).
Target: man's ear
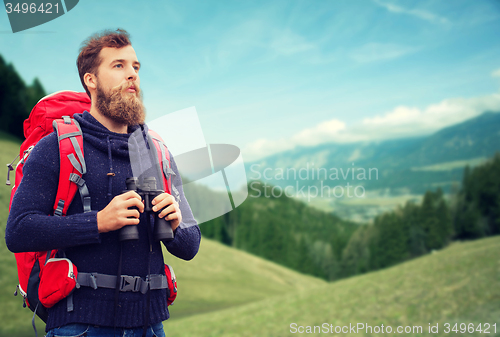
(90, 81)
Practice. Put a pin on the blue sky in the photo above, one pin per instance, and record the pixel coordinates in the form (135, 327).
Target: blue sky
(271, 75)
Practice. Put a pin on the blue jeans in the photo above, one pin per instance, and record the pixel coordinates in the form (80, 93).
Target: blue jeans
(77, 330)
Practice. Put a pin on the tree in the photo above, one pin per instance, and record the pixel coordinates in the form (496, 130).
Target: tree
(416, 235)
(16, 99)
(390, 244)
(477, 211)
(356, 255)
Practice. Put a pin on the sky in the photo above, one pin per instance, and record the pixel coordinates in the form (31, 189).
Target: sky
(268, 76)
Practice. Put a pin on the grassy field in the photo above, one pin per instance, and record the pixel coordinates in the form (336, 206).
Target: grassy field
(220, 277)
(16, 321)
(460, 284)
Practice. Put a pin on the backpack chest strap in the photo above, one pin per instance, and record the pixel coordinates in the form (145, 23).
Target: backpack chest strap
(127, 283)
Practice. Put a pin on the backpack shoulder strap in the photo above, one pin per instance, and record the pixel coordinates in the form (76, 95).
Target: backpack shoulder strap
(72, 165)
(164, 158)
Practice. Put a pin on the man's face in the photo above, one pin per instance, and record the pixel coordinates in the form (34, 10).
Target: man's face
(118, 95)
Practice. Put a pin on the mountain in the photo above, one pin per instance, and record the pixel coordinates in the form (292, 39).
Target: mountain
(476, 137)
(428, 160)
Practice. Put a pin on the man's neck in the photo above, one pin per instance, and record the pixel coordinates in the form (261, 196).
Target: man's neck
(110, 124)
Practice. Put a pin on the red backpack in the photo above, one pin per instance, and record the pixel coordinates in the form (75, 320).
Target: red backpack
(54, 112)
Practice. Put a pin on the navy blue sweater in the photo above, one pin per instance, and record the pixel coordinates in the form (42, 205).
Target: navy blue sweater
(29, 228)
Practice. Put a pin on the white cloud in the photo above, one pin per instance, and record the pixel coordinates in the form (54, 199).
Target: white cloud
(496, 73)
(265, 147)
(402, 121)
(400, 115)
(408, 121)
(371, 52)
(418, 13)
(318, 134)
(321, 133)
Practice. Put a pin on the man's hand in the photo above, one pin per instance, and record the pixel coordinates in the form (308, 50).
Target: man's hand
(117, 213)
(174, 213)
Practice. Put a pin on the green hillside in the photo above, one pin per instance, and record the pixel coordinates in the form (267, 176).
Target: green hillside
(285, 231)
(460, 284)
(219, 277)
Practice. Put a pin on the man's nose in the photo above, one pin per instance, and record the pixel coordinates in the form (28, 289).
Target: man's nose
(131, 74)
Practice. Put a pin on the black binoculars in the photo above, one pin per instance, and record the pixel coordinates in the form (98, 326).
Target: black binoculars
(147, 190)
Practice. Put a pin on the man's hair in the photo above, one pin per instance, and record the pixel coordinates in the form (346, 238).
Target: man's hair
(88, 60)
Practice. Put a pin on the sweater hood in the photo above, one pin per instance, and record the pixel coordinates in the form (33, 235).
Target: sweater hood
(116, 144)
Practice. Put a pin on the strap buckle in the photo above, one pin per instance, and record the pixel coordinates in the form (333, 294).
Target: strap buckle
(93, 281)
(60, 207)
(130, 283)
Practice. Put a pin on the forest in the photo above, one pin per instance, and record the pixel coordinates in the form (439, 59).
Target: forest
(288, 232)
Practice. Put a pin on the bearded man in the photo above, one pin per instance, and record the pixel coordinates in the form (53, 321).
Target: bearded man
(109, 71)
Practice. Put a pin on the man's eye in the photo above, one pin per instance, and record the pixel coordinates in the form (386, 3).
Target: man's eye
(136, 68)
(118, 65)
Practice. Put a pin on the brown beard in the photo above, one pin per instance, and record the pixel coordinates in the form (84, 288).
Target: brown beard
(120, 106)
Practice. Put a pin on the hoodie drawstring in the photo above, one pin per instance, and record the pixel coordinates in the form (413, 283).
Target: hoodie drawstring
(111, 174)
